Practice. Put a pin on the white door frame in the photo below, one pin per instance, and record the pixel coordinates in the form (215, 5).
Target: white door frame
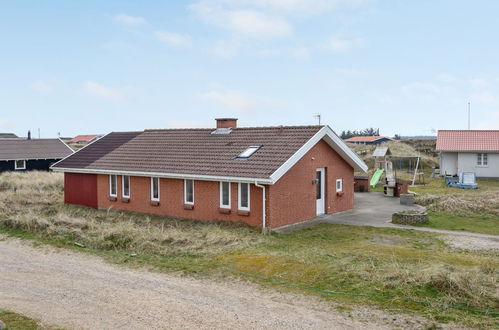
(320, 203)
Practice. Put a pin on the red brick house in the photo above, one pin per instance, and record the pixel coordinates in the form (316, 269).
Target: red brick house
(263, 176)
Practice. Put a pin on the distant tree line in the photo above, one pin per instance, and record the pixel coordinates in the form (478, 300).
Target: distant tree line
(365, 132)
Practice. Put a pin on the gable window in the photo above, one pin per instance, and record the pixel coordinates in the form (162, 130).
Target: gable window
(225, 195)
(188, 191)
(155, 189)
(20, 164)
(125, 186)
(113, 186)
(248, 152)
(244, 196)
(339, 185)
(482, 160)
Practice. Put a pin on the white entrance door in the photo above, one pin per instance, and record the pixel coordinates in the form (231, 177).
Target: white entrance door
(320, 193)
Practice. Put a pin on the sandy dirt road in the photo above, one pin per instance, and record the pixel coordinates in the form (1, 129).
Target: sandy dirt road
(78, 291)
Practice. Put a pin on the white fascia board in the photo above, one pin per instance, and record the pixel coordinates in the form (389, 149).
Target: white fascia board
(334, 141)
(348, 154)
(165, 175)
(72, 151)
(77, 151)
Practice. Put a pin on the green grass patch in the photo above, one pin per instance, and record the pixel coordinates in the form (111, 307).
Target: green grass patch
(485, 224)
(15, 321)
(397, 270)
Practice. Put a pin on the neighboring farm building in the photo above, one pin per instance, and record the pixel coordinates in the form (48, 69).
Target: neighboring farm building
(21, 154)
(263, 176)
(84, 139)
(469, 151)
(8, 136)
(368, 139)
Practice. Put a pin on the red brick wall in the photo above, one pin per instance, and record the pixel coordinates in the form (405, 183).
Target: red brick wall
(206, 200)
(80, 189)
(292, 198)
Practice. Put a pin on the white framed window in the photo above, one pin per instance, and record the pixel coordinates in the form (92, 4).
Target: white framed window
(339, 185)
(155, 189)
(125, 186)
(243, 199)
(20, 164)
(188, 191)
(225, 195)
(248, 152)
(482, 160)
(113, 186)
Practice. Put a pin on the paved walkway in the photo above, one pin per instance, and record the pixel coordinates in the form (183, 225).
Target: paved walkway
(375, 210)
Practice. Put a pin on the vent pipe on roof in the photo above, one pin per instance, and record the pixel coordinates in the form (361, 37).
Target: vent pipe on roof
(29, 135)
(226, 122)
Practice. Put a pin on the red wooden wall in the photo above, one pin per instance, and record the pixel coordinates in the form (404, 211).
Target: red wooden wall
(80, 189)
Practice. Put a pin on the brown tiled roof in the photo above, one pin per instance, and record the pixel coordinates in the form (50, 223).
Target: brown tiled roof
(193, 151)
(11, 149)
(468, 140)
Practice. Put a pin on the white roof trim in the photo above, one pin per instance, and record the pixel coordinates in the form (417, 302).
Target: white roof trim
(165, 175)
(334, 141)
(74, 152)
(325, 133)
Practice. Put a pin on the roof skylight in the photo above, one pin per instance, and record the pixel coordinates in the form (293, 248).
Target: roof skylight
(248, 152)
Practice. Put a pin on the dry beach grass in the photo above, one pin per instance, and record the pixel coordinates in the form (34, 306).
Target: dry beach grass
(419, 268)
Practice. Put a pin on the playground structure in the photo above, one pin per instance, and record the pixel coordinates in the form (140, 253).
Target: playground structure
(384, 168)
(464, 180)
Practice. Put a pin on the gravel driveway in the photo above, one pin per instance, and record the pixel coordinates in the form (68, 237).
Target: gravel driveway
(75, 290)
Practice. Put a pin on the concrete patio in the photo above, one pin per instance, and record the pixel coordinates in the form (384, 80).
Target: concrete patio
(375, 210)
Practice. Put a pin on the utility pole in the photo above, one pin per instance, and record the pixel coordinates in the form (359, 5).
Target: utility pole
(38, 132)
(469, 115)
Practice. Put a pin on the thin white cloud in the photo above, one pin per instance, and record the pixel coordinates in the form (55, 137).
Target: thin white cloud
(491, 122)
(341, 45)
(301, 53)
(283, 7)
(230, 99)
(5, 124)
(225, 48)
(43, 87)
(267, 53)
(174, 40)
(130, 21)
(254, 24)
(247, 23)
(485, 97)
(421, 88)
(107, 93)
(186, 124)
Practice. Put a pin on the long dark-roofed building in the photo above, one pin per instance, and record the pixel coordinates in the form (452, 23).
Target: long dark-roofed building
(26, 154)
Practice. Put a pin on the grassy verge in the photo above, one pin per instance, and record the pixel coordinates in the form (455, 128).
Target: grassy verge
(15, 321)
(367, 265)
(485, 224)
(459, 209)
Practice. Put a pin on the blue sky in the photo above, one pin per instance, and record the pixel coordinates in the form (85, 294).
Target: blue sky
(407, 67)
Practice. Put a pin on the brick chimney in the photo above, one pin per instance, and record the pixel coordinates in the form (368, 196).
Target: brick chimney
(226, 122)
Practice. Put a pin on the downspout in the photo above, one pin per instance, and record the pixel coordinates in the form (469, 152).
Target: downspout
(264, 208)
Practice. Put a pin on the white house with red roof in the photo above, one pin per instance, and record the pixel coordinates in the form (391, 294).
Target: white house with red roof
(469, 151)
